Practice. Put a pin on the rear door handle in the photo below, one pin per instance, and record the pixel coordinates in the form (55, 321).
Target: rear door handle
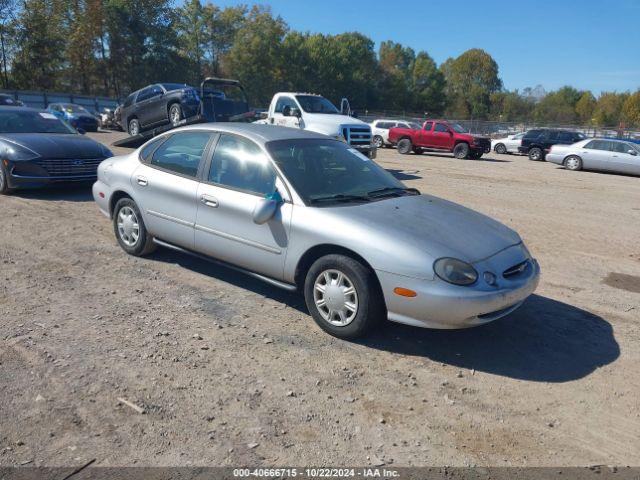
(209, 201)
(142, 181)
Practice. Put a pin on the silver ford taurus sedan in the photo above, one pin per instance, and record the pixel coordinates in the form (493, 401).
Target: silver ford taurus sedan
(306, 212)
(603, 154)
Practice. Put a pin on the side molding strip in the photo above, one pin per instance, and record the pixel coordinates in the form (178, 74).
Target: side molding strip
(245, 241)
(269, 280)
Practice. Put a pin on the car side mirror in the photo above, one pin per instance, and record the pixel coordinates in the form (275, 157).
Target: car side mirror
(633, 152)
(266, 208)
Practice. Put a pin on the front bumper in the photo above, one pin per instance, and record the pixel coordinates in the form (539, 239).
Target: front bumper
(438, 304)
(369, 150)
(30, 174)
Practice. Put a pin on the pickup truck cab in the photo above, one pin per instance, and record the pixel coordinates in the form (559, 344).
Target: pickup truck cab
(315, 113)
(439, 135)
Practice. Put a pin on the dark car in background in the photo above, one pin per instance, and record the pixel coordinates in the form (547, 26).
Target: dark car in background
(159, 104)
(9, 101)
(537, 143)
(75, 115)
(37, 148)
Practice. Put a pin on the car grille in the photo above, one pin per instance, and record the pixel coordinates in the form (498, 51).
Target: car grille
(515, 270)
(482, 142)
(70, 167)
(357, 135)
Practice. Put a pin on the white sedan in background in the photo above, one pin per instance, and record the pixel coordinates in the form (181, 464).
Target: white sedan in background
(598, 154)
(508, 144)
(380, 130)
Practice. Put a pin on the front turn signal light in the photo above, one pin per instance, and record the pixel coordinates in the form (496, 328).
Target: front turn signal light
(404, 292)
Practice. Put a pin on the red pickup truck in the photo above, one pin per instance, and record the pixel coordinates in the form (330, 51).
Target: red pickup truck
(439, 135)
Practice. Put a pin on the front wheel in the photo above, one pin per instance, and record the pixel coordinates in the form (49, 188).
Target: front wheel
(175, 114)
(4, 180)
(573, 162)
(461, 151)
(343, 297)
(134, 127)
(130, 230)
(378, 141)
(404, 146)
(500, 148)
(536, 154)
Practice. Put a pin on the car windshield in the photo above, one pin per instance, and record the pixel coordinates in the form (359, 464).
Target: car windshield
(71, 108)
(329, 171)
(316, 104)
(458, 128)
(22, 121)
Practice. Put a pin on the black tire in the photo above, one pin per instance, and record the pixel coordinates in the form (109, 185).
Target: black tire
(461, 151)
(144, 243)
(536, 154)
(370, 308)
(404, 146)
(175, 114)
(378, 141)
(573, 162)
(133, 127)
(4, 180)
(500, 148)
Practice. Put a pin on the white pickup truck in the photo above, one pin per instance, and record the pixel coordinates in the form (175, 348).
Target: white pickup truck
(317, 114)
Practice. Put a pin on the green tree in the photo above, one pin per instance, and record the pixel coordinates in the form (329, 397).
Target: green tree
(8, 10)
(631, 110)
(256, 55)
(471, 79)
(427, 86)
(511, 106)
(221, 27)
(608, 111)
(192, 35)
(39, 56)
(585, 107)
(558, 106)
(396, 67)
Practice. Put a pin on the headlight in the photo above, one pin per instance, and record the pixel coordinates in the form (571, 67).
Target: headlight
(16, 153)
(455, 271)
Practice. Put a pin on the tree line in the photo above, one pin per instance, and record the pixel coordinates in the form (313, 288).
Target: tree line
(113, 47)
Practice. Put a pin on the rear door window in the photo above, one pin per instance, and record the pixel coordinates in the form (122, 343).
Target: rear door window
(240, 164)
(440, 127)
(598, 145)
(428, 126)
(182, 153)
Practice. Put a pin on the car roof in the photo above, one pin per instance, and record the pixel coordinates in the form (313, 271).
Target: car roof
(259, 133)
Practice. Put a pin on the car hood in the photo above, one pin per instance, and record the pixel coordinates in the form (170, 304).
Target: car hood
(81, 116)
(432, 225)
(329, 124)
(56, 145)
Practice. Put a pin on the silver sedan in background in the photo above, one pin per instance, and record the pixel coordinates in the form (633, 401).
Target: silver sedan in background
(598, 154)
(306, 212)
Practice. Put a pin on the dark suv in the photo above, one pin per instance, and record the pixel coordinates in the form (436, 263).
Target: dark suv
(537, 143)
(158, 104)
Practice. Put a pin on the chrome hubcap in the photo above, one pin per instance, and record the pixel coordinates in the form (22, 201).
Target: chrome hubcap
(128, 226)
(572, 163)
(335, 297)
(133, 129)
(175, 116)
(378, 142)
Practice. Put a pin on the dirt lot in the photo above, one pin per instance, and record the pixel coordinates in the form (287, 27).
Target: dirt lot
(231, 371)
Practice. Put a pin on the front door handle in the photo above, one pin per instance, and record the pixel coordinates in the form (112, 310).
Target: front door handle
(209, 201)
(143, 181)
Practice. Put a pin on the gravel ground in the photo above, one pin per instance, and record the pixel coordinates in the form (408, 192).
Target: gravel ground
(225, 370)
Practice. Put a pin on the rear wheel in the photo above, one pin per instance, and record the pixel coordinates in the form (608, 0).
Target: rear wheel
(500, 148)
(175, 114)
(130, 230)
(536, 154)
(404, 146)
(378, 141)
(573, 162)
(133, 127)
(461, 151)
(343, 297)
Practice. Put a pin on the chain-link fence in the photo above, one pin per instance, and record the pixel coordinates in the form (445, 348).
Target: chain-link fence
(497, 129)
(39, 99)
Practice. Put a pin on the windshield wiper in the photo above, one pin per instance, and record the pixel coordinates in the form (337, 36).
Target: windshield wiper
(341, 198)
(383, 192)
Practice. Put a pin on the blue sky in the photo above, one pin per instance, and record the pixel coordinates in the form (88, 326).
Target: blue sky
(590, 44)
